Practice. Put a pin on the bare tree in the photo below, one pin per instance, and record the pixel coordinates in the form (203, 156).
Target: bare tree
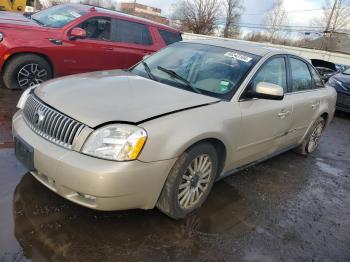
(197, 16)
(262, 37)
(233, 10)
(335, 16)
(275, 19)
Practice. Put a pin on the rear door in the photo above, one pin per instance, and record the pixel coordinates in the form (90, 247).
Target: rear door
(133, 40)
(265, 123)
(303, 95)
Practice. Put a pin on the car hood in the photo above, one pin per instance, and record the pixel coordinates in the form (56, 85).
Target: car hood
(12, 19)
(115, 96)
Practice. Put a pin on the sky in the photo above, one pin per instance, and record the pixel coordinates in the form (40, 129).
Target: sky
(255, 10)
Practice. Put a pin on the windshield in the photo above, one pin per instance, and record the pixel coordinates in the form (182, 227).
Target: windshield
(206, 69)
(57, 16)
(347, 71)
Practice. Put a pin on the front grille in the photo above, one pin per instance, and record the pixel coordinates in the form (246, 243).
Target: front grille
(51, 124)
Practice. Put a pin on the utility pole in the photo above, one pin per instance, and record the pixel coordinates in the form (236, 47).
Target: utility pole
(327, 29)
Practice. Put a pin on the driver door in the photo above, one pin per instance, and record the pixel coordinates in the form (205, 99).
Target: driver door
(95, 52)
(265, 123)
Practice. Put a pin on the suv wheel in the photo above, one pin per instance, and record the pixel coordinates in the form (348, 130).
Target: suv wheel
(189, 182)
(25, 71)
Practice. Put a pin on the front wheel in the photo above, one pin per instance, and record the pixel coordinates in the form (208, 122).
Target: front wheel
(189, 182)
(24, 71)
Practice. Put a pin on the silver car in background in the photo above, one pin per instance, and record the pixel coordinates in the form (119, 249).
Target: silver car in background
(161, 133)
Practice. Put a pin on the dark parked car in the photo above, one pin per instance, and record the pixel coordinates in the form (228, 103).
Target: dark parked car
(325, 72)
(73, 38)
(341, 82)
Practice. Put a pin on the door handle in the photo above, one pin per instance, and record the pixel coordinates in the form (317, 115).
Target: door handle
(283, 114)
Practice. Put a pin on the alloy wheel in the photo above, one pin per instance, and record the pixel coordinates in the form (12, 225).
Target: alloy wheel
(315, 137)
(195, 181)
(30, 75)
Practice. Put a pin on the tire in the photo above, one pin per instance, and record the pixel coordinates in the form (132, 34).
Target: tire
(172, 200)
(312, 140)
(31, 67)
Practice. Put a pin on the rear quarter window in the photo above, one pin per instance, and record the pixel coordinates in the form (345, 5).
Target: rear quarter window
(170, 37)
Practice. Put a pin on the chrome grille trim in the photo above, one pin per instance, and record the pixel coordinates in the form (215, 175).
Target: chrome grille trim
(55, 126)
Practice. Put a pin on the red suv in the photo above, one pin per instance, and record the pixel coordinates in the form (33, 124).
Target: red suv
(73, 38)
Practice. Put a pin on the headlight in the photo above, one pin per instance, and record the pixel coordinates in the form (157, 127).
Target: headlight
(119, 142)
(24, 97)
(1, 37)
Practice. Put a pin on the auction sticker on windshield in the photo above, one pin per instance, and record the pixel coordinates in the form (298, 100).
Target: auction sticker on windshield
(239, 57)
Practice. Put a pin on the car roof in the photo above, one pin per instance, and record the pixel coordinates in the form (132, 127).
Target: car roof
(91, 9)
(244, 46)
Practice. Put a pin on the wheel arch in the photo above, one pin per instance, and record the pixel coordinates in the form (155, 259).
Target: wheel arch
(220, 149)
(17, 54)
(325, 116)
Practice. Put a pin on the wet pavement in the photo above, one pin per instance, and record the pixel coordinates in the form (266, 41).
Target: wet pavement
(289, 208)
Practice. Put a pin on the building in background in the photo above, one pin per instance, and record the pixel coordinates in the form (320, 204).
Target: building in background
(151, 13)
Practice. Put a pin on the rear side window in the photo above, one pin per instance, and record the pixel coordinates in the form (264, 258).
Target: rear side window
(274, 72)
(130, 32)
(318, 83)
(301, 78)
(98, 28)
(169, 37)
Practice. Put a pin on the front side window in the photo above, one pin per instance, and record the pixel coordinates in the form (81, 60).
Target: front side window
(274, 72)
(214, 71)
(130, 32)
(57, 16)
(169, 37)
(97, 28)
(301, 78)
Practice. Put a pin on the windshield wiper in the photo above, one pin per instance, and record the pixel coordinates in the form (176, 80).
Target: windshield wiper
(148, 71)
(37, 21)
(175, 75)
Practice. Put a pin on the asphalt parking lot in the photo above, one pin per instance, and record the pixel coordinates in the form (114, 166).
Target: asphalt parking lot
(289, 208)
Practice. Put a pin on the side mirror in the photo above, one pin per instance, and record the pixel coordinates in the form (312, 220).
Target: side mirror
(77, 33)
(266, 90)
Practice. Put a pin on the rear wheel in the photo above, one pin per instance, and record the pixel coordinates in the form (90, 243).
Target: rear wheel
(27, 70)
(189, 181)
(312, 140)
(315, 135)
